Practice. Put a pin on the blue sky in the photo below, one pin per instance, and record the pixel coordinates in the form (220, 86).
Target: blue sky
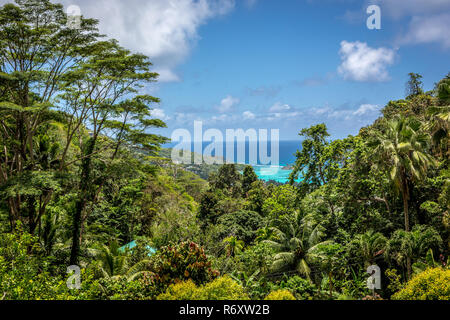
(279, 64)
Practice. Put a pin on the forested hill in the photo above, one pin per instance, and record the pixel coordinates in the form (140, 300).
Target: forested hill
(74, 190)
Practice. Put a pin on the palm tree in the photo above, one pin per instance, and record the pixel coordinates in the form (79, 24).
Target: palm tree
(443, 90)
(439, 120)
(114, 264)
(294, 240)
(429, 262)
(264, 233)
(401, 148)
(329, 256)
(438, 126)
(111, 262)
(370, 245)
(233, 246)
(405, 246)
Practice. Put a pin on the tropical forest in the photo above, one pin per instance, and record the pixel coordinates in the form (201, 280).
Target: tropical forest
(93, 208)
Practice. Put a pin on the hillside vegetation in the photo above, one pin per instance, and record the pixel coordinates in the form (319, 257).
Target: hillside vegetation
(81, 175)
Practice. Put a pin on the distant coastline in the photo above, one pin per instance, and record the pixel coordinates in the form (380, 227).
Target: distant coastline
(280, 173)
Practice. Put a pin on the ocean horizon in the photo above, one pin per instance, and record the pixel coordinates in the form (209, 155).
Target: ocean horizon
(265, 172)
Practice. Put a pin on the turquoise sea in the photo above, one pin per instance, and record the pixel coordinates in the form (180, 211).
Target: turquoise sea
(268, 173)
(287, 151)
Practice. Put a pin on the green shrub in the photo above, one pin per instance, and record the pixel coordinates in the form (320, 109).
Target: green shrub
(122, 289)
(280, 295)
(220, 289)
(24, 272)
(179, 291)
(301, 288)
(432, 284)
(223, 288)
(180, 262)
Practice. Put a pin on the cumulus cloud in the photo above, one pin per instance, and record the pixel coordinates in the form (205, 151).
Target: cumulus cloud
(248, 115)
(363, 63)
(163, 30)
(227, 104)
(429, 29)
(280, 111)
(363, 114)
(429, 19)
(279, 107)
(160, 114)
(366, 109)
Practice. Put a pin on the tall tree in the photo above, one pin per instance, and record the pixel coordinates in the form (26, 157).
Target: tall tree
(227, 179)
(233, 246)
(414, 86)
(401, 149)
(439, 117)
(295, 241)
(319, 161)
(249, 177)
(443, 90)
(106, 85)
(370, 245)
(37, 50)
(406, 246)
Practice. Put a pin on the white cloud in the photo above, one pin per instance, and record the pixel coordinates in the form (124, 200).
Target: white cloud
(429, 29)
(227, 104)
(160, 114)
(163, 30)
(366, 109)
(222, 117)
(278, 107)
(248, 115)
(401, 8)
(363, 63)
(283, 111)
(365, 113)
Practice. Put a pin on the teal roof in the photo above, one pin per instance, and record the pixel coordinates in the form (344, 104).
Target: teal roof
(133, 244)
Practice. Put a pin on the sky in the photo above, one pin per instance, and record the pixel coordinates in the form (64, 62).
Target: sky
(286, 65)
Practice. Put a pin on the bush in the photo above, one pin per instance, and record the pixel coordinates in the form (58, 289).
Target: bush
(220, 289)
(280, 295)
(179, 291)
(301, 288)
(432, 284)
(177, 263)
(122, 289)
(241, 224)
(24, 272)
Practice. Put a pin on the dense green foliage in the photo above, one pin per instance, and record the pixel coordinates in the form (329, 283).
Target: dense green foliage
(432, 284)
(81, 176)
(220, 289)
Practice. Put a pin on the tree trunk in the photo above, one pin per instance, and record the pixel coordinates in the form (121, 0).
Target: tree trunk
(405, 210)
(330, 280)
(406, 213)
(408, 267)
(85, 187)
